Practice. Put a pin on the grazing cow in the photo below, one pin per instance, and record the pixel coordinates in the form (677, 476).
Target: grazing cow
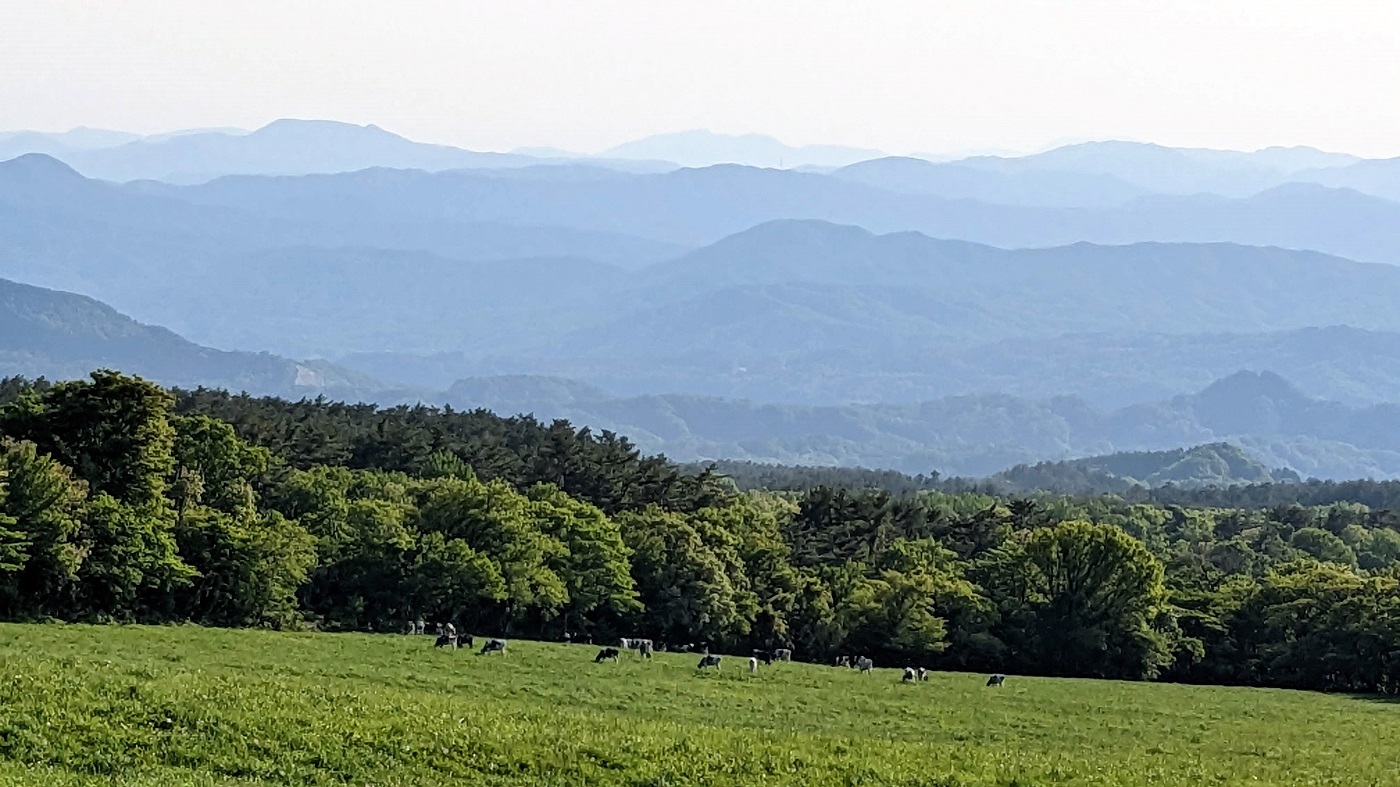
(922, 674)
(753, 665)
(642, 646)
(605, 654)
(782, 654)
(444, 641)
(996, 680)
(708, 661)
(909, 675)
(465, 641)
(493, 646)
(843, 661)
(765, 656)
(864, 664)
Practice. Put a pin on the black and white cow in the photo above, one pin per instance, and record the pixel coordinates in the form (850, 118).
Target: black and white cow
(909, 675)
(864, 664)
(753, 665)
(708, 661)
(642, 646)
(606, 654)
(922, 674)
(493, 646)
(765, 656)
(996, 680)
(782, 654)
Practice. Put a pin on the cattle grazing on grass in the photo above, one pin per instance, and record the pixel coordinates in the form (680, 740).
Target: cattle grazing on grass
(864, 664)
(708, 661)
(765, 656)
(843, 661)
(643, 647)
(606, 654)
(493, 646)
(922, 674)
(909, 675)
(465, 640)
(782, 654)
(753, 665)
(996, 680)
(444, 641)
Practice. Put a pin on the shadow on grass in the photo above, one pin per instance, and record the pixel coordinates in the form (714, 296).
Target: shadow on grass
(1385, 699)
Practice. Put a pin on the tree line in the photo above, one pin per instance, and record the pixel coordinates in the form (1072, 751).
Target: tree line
(122, 501)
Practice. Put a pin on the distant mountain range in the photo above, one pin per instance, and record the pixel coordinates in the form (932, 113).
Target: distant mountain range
(851, 308)
(283, 147)
(694, 207)
(58, 335)
(978, 435)
(1092, 174)
(700, 148)
(380, 266)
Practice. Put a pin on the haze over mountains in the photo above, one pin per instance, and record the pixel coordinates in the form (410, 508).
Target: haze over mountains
(892, 312)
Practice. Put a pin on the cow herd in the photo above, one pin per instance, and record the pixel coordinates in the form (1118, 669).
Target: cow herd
(449, 638)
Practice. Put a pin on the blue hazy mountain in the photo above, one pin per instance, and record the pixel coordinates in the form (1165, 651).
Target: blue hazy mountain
(136, 248)
(981, 434)
(698, 206)
(59, 335)
(283, 147)
(1048, 188)
(1380, 177)
(1168, 170)
(701, 148)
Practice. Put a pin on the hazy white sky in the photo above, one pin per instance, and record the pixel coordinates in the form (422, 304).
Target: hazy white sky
(912, 75)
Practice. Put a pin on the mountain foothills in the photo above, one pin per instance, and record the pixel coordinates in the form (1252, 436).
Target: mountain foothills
(1269, 418)
(123, 501)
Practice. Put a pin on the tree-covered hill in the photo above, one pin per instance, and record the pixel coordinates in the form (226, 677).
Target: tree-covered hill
(1214, 465)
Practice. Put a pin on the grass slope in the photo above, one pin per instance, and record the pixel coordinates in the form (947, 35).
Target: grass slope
(174, 706)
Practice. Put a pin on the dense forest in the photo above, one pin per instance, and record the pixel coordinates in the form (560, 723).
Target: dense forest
(123, 501)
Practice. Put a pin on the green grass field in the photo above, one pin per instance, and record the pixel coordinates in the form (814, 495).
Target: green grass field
(86, 705)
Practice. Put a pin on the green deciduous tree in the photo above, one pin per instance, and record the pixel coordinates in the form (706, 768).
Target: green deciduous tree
(1081, 599)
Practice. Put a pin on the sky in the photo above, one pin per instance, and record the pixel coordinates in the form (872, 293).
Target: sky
(927, 76)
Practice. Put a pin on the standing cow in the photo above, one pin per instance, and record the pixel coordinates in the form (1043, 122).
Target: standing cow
(864, 664)
(996, 680)
(606, 654)
(708, 661)
(909, 675)
(493, 646)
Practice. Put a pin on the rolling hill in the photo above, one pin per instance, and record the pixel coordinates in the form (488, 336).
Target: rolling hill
(58, 335)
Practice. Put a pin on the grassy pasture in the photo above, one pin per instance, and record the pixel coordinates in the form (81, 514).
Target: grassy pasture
(164, 706)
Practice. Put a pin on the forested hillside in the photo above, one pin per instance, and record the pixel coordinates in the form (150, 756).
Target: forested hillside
(122, 501)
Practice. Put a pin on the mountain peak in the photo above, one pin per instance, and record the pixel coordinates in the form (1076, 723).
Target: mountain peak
(1254, 385)
(38, 169)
